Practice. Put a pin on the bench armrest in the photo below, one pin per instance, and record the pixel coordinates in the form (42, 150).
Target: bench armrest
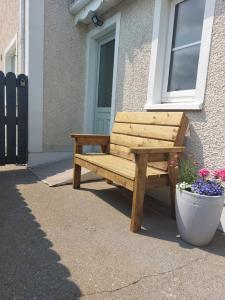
(91, 139)
(152, 150)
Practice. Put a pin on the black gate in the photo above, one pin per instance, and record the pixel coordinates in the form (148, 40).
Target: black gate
(13, 119)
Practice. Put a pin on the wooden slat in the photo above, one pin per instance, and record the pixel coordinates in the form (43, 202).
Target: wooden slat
(87, 139)
(2, 119)
(121, 151)
(115, 178)
(124, 152)
(154, 118)
(133, 141)
(182, 130)
(117, 165)
(11, 117)
(153, 150)
(158, 160)
(22, 93)
(168, 133)
(152, 183)
(161, 165)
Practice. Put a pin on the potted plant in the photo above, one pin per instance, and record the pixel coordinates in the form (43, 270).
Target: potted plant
(199, 202)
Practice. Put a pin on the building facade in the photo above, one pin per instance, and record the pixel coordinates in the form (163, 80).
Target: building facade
(146, 55)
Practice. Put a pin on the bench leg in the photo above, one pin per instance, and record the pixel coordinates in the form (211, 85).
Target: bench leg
(173, 199)
(138, 193)
(77, 169)
(76, 176)
(173, 172)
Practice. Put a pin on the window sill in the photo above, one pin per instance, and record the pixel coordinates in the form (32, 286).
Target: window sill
(174, 106)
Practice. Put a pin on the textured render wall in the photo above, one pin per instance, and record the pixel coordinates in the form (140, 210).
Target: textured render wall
(207, 129)
(64, 67)
(134, 53)
(9, 25)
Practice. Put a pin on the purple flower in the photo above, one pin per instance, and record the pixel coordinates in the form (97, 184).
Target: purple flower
(207, 187)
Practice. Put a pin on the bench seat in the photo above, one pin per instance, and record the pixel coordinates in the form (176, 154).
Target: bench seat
(118, 165)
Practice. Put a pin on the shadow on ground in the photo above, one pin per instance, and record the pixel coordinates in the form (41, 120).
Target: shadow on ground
(152, 225)
(29, 268)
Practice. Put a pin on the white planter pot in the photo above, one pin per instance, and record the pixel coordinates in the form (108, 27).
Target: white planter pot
(198, 216)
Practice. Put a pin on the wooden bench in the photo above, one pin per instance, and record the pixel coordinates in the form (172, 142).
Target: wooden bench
(136, 155)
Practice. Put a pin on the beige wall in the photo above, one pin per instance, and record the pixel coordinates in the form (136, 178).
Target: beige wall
(64, 95)
(64, 66)
(9, 25)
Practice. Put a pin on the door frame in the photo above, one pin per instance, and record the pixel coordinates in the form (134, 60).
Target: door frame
(111, 25)
(11, 50)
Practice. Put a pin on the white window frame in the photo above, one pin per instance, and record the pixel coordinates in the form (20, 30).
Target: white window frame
(160, 60)
(10, 51)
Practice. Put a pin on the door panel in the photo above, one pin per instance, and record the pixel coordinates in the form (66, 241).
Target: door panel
(102, 120)
(104, 87)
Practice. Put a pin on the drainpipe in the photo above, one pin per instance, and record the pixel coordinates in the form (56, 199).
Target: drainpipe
(22, 37)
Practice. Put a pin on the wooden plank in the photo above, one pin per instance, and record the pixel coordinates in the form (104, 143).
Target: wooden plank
(182, 131)
(118, 165)
(2, 119)
(161, 165)
(124, 152)
(121, 151)
(156, 160)
(132, 141)
(22, 94)
(139, 192)
(154, 118)
(152, 150)
(152, 183)
(91, 139)
(11, 117)
(114, 177)
(87, 136)
(168, 133)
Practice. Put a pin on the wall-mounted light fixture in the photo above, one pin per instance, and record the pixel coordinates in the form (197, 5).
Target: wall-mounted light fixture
(96, 21)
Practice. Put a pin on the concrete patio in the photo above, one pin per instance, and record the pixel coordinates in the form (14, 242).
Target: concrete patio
(57, 243)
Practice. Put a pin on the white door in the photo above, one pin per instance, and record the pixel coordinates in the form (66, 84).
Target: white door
(102, 114)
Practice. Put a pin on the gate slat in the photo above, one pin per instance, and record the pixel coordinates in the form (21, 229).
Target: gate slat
(11, 117)
(22, 96)
(2, 119)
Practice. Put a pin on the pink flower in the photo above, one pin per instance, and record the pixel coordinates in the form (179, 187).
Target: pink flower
(203, 172)
(216, 173)
(219, 174)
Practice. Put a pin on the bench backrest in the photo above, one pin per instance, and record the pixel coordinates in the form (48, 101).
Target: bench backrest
(147, 129)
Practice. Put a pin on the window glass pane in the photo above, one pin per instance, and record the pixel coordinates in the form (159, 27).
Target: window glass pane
(183, 69)
(106, 74)
(188, 22)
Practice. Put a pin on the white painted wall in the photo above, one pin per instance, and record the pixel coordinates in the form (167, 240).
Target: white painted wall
(34, 47)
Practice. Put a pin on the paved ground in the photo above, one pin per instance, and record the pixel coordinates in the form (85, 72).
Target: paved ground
(57, 243)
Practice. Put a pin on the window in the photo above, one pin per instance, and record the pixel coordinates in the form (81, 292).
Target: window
(178, 73)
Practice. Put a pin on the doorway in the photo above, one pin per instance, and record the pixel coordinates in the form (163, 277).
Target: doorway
(101, 75)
